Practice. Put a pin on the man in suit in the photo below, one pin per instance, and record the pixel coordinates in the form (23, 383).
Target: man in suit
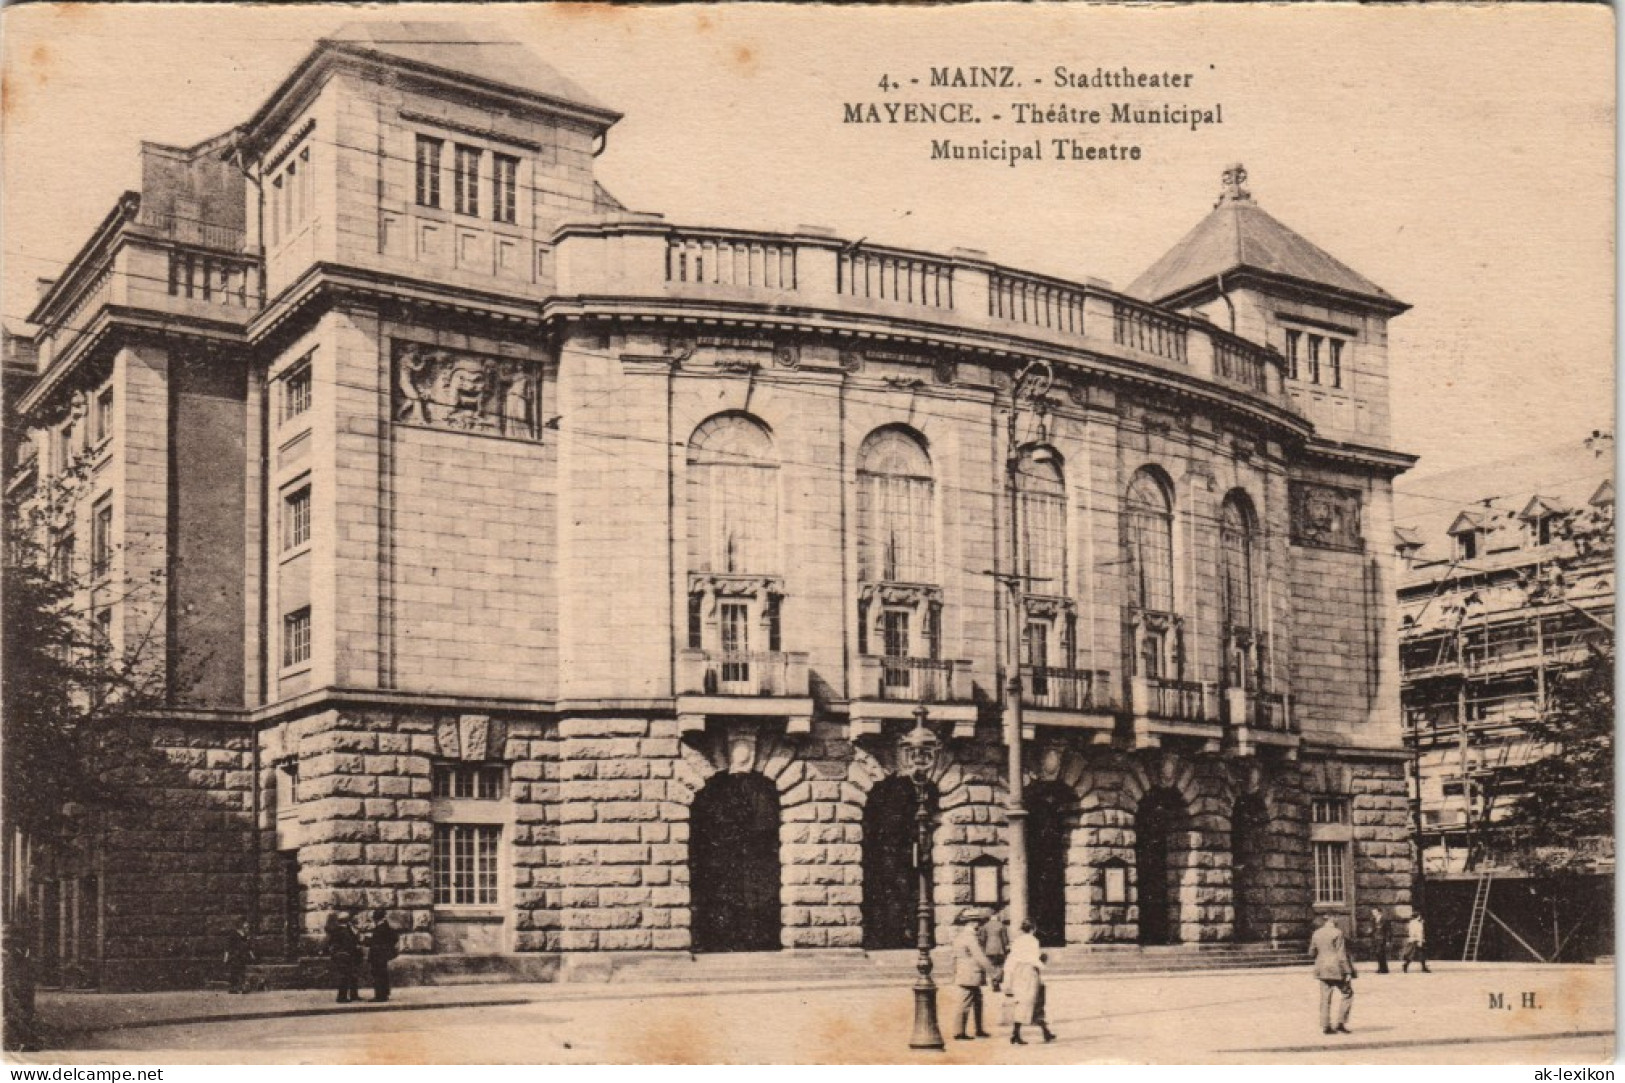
(971, 969)
(1416, 945)
(383, 944)
(1379, 937)
(1335, 972)
(996, 943)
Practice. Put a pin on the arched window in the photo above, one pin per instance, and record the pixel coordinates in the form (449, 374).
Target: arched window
(733, 498)
(1148, 538)
(1041, 522)
(1237, 561)
(896, 528)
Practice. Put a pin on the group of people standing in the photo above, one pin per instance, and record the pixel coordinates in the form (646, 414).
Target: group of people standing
(1334, 966)
(984, 954)
(345, 946)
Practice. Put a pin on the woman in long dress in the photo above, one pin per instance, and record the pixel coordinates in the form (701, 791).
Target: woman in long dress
(1024, 984)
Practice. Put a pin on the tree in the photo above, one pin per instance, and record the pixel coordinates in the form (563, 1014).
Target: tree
(1567, 802)
(76, 746)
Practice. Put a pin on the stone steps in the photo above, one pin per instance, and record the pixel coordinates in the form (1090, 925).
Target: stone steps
(829, 965)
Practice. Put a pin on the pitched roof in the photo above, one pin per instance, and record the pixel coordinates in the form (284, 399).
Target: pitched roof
(1494, 497)
(474, 51)
(1239, 235)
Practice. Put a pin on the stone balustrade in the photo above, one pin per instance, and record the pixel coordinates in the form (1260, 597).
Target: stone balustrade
(635, 258)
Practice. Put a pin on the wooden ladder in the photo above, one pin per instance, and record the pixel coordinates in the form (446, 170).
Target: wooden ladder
(1475, 923)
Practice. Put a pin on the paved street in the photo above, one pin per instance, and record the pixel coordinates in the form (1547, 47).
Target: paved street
(1259, 1016)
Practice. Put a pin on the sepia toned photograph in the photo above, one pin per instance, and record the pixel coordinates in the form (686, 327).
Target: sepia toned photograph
(767, 534)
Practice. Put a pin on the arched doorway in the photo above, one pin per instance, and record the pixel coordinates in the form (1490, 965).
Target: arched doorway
(1160, 846)
(1249, 833)
(733, 864)
(1048, 835)
(891, 884)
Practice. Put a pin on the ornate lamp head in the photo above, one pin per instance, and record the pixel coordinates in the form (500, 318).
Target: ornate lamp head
(917, 751)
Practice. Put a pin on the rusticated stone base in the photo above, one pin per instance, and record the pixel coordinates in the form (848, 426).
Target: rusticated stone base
(596, 819)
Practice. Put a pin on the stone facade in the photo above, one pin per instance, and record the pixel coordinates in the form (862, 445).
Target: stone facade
(590, 569)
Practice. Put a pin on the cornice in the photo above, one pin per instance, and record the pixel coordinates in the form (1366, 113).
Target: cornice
(108, 328)
(926, 335)
(1380, 460)
(325, 284)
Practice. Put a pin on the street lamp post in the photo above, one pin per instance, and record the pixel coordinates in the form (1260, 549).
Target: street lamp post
(1033, 383)
(918, 753)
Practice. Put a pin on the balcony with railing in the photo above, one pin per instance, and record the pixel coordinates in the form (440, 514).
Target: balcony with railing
(714, 683)
(1255, 711)
(1169, 699)
(887, 687)
(624, 261)
(1069, 698)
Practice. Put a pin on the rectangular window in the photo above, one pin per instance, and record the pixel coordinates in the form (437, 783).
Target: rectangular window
(101, 539)
(504, 175)
(1314, 359)
(287, 785)
(1331, 872)
(1294, 340)
(277, 198)
(62, 557)
(296, 518)
(735, 619)
(774, 638)
(102, 644)
(466, 180)
(296, 637)
(1329, 810)
(465, 864)
(428, 174)
(296, 387)
(735, 627)
(894, 633)
(1334, 361)
(101, 418)
(933, 631)
(64, 446)
(468, 781)
(894, 636)
(696, 621)
(1035, 641)
(291, 208)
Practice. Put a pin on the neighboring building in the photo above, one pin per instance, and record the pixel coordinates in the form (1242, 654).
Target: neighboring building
(1498, 601)
(562, 579)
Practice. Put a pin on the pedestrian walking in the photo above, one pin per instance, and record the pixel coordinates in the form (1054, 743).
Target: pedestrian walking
(996, 943)
(344, 949)
(383, 944)
(1024, 985)
(971, 970)
(1335, 971)
(1416, 945)
(239, 953)
(1379, 937)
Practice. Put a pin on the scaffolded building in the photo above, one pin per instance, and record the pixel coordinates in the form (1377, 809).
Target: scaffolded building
(1507, 590)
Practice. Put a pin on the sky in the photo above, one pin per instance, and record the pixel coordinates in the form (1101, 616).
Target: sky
(1460, 157)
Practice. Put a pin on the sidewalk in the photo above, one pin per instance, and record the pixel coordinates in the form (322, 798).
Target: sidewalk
(1461, 1013)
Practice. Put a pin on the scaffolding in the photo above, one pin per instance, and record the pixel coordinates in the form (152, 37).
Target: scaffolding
(1472, 684)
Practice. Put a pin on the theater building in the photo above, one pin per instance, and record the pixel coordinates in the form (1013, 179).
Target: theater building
(562, 579)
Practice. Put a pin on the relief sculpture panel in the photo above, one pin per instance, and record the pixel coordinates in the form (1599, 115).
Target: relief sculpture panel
(1326, 517)
(468, 392)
